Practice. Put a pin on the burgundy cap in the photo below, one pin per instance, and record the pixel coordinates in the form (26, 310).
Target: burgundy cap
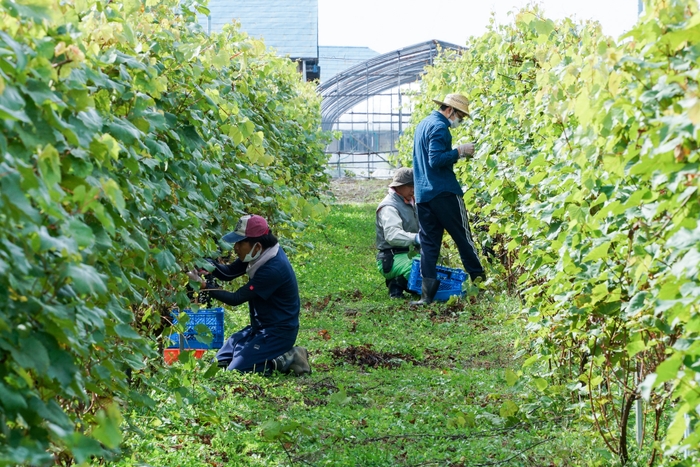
(250, 225)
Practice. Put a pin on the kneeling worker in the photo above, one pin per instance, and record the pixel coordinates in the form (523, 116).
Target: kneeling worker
(272, 294)
(397, 231)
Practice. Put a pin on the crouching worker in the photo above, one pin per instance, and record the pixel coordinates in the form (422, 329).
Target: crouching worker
(397, 232)
(272, 293)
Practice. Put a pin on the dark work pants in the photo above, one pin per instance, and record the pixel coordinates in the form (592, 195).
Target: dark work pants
(446, 212)
(252, 351)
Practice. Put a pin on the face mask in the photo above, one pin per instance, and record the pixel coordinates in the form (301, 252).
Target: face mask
(456, 122)
(248, 258)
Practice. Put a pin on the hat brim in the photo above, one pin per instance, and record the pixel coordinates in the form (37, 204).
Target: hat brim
(448, 105)
(233, 237)
(395, 184)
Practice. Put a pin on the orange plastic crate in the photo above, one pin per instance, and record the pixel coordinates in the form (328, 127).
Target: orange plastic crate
(170, 355)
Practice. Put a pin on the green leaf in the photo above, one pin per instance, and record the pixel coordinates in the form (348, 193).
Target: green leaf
(124, 130)
(85, 279)
(105, 145)
(221, 59)
(688, 266)
(50, 165)
(12, 105)
(113, 193)
(36, 11)
(11, 400)
(668, 369)
(104, 218)
(81, 233)
(543, 27)
(131, 6)
(35, 353)
(107, 430)
(684, 238)
(511, 377)
(508, 409)
(159, 149)
(235, 134)
(531, 360)
(126, 332)
(540, 383)
(40, 92)
(247, 128)
(91, 119)
(211, 371)
(676, 431)
(166, 261)
(634, 347)
(271, 429)
(598, 252)
(339, 397)
(62, 367)
(83, 448)
(204, 334)
(636, 304)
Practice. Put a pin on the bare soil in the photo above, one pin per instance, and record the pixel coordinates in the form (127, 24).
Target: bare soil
(359, 191)
(364, 356)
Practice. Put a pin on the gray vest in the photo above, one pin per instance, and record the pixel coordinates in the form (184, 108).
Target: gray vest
(409, 218)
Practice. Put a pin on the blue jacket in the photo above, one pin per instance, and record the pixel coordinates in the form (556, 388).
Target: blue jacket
(272, 294)
(433, 159)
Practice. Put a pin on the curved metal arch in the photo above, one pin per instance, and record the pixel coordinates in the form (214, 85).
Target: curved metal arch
(350, 87)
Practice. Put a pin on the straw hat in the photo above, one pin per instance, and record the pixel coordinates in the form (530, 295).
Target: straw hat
(456, 101)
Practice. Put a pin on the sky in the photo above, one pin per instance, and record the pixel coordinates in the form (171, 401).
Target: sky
(386, 25)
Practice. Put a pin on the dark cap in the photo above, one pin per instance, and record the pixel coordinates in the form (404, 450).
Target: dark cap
(402, 176)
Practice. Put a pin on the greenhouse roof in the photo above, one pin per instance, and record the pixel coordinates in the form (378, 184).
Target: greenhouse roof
(376, 75)
(291, 28)
(335, 59)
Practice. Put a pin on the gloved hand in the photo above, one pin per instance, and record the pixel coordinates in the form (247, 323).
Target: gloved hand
(465, 150)
(195, 277)
(416, 241)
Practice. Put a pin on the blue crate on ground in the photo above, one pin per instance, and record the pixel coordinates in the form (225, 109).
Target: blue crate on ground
(450, 281)
(213, 318)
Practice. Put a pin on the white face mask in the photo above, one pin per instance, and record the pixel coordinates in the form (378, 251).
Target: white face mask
(456, 122)
(248, 258)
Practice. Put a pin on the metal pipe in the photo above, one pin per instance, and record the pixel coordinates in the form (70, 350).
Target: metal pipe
(398, 73)
(639, 410)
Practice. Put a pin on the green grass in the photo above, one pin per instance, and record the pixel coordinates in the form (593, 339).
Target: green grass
(391, 385)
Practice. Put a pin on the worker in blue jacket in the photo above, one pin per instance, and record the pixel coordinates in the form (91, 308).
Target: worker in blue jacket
(272, 294)
(439, 196)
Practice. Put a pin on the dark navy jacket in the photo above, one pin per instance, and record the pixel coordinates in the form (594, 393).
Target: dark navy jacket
(272, 294)
(433, 159)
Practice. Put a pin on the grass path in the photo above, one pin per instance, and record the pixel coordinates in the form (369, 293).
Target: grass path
(391, 385)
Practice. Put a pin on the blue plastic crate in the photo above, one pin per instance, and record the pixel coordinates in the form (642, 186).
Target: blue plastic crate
(213, 318)
(450, 281)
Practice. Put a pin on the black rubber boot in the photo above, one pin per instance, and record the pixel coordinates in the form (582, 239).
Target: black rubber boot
(476, 278)
(395, 288)
(283, 362)
(300, 366)
(295, 360)
(429, 288)
(403, 283)
(223, 363)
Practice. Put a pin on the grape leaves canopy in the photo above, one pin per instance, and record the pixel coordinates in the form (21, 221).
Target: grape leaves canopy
(130, 142)
(587, 175)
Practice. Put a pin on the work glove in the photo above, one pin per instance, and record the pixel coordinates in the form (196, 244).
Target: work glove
(465, 150)
(194, 276)
(206, 284)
